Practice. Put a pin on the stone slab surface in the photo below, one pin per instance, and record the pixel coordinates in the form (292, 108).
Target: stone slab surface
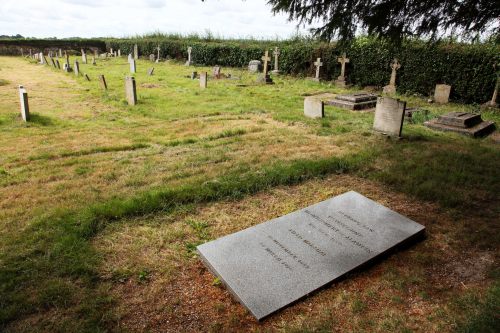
(353, 106)
(389, 116)
(357, 97)
(482, 129)
(273, 264)
(460, 119)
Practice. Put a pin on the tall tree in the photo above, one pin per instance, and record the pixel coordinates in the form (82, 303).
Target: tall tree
(394, 19)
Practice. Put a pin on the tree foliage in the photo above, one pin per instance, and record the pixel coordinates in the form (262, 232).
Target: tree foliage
(394, 19)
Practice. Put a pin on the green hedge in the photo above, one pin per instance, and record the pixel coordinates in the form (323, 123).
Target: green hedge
(13, 46)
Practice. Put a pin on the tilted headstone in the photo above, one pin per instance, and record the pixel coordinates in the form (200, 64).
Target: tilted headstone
(77, 68)
(53, 62)
(188, 62)
(255, 66)
(391, 88)
(203, 80)
(132, 66)
(25, 109)
(493, 101)
(341, 80)
(151, 71)
(314, 107)
(318, 65)
(274, 264)
(102, 82)
(130, 90)
(389, 116)
(276, 54)
(136, 52)
(84, 57)
(442, 93)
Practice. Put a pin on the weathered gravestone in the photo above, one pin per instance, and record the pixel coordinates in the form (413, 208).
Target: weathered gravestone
(442, 93)
(188, 62)
(255, 66)
(356, 101)
(276, 54)
(25, 109)
(158, 55)
(314, 107)
(84, 57)
(273, 264)
(152, 57)
(391, 87)
(136, 52)
(130, 57)
(132, 66)
(203, 80)
(389, 116)
(58, 64)
(341, 80)
(77, 68)
(463, 123)
(150, 71)
(130, 90)
(216, 72)
(67, 68)
(318, 65)
(102, 82)
(119, 53)
(93, 61)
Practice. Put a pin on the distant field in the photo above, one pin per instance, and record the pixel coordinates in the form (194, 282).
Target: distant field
(103, 204)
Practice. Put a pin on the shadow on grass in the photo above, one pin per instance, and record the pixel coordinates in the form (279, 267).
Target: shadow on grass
(41, 120)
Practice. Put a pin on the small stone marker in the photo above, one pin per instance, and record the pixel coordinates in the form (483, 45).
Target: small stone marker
(136, 52)
(152, 57)
(341, 80)
(391, 88)
(84, 57)
(276, 54)
(442, 93)
(119, 53)
(216, 72)
(130, 90)
(25, 109)
(314, 107)
(203, 80)
(389, 116)
(77, 68)
(102, 82)
(132, 66)
(188, 62)
(150, 71)
(463, 123)
(318, 65)
(273, 264)
(255, 66)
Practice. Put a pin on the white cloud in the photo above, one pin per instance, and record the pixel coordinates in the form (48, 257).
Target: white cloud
(119, 18)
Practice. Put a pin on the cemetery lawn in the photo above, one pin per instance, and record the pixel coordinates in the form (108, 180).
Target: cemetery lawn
(102, 204)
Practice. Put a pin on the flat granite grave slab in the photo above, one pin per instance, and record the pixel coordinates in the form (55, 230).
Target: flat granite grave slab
(273, 264)
(482, 129)
(357, 101)
(460, 119)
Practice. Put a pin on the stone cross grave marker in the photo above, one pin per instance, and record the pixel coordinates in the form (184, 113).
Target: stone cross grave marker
(25, 109)
(136, 52)
(266, 60)
(318, 65)
(314, 107)
(158, 55)
(389, 116)
(130, 90)
(276, 54)
(84, 57)
(442, 93)
(77, 68)
(102, 82)
(150, 71)
(391, 88)
(341, 80)
(132, 66)
(188, 62)
(274, 264)
(203, 80)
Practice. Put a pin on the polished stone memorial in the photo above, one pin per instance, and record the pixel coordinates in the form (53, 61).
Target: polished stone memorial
(273, 264)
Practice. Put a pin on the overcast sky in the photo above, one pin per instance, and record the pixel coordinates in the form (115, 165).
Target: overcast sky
(119, 18)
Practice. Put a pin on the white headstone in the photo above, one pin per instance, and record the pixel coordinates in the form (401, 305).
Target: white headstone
(389, 116)
(314, 107)
(130, 90)
(132, 66)
(25, 110)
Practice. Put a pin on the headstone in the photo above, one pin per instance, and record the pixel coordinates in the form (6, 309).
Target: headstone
(391, 88)
(67, 59)
(463, 123)
(67, 68)
(314, 107)
(265, 78)
(44, 60)
(132, 66)
(60, 53)
(158, 55)
(274, 264)
(22, 52)
(130, 90)
(188, 62)
(194, 75)
(493, 101)
(276, 54)
(255, 66)
(96, 55)
(84, 57)
(216, 72)
(341, 80)
(25, 109)
(58, 64)
(87, 77)
(389, 116)
(53, 62)
(119, 53)
(93, 61)
(130, 57)
(318, 65)
(355, 102)
(442, 93)
(77, 68)
(102, 82)
(150, 71)
(136, 52)
(111, 51)
(31, 53)
(203, 80)
(152, 58)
